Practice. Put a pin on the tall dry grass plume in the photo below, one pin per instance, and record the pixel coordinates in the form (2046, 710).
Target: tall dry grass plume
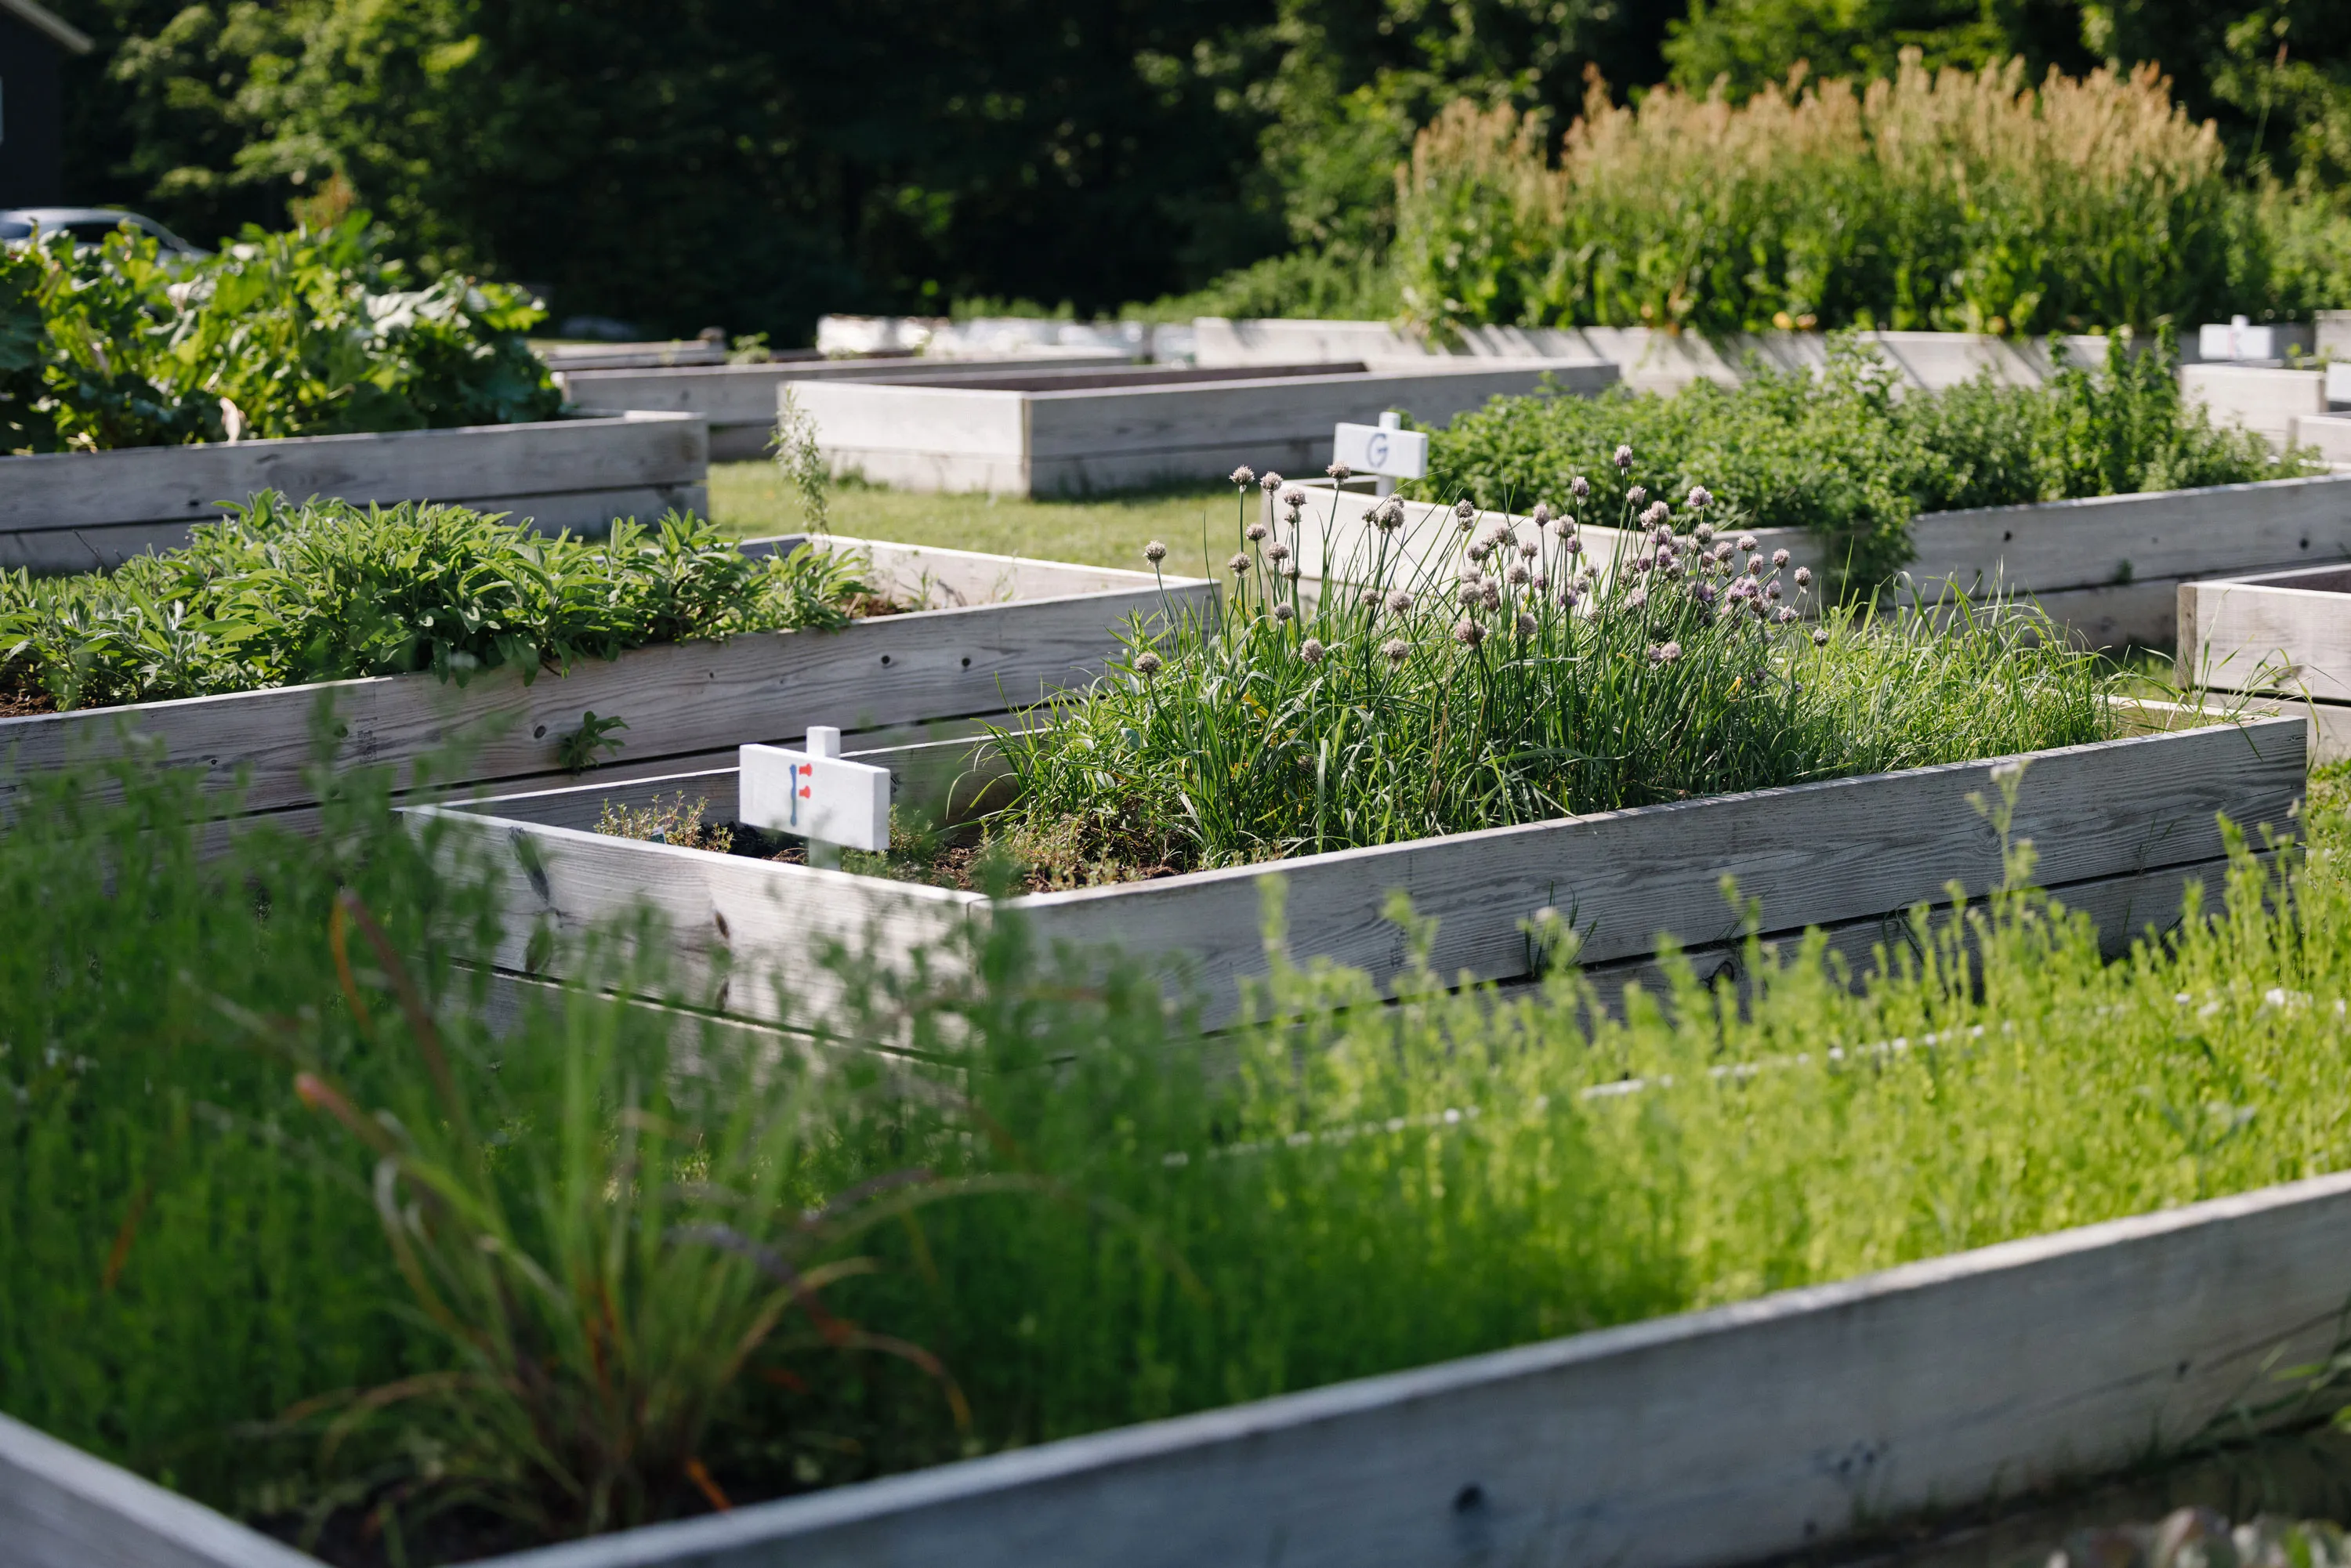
(1951, 200)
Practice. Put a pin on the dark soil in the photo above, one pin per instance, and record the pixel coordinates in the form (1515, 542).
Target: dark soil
(24, 705)
(955, 863)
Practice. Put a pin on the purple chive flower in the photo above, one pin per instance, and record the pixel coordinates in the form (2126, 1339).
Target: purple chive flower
(1271, 482)
(1699, 495)
(1468, 633)
(1146, 663)
(1820, 636)
(1154, 553)
(1804, 576)
(1541, 514)
(1239, 566)
(1579, 486)
(1526, 624)
(1339, 471)
(1311, 650)
(1400, 602)
(1623, 458)
(1397, 650)
(1244, 476)
(1277, 551)
(1293, 498)
(1517, 573)
(1255, 532)
(1635, 495)
(1284, 614)
(1747, 542)
(1778, 558)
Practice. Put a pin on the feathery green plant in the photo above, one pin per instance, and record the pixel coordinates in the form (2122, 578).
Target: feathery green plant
(1847, 456)
(276, 594)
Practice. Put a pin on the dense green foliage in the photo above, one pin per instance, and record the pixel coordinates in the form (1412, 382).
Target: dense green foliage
(301, 333)
(753, 164)
(1842, 453)
(1470, 679)
(275, 593)
(196, 1279)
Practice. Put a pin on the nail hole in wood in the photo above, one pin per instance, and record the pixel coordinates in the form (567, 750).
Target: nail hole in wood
(539, 733)
(2007, 536)
(1468, 1497)
(966, 660)
(718, 917)
(885, 658)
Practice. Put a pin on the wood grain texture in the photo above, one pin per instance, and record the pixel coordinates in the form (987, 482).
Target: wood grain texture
(677, 699)
(2258, 397)
(474, 465)
(2287, 632)
(1814, 854)
(1710, 1437)
(2111, 540)
(61, 1508)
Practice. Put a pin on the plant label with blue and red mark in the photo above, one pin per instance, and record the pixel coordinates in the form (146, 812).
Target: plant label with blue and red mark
(817, 796)
(1381, 449)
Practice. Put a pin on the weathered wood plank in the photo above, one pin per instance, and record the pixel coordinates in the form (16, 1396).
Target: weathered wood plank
(1710, 1437)
(2283, 632)
(1813, 854)
(677, 699)
(475, 465)
(61, 1508)
(2113, 539)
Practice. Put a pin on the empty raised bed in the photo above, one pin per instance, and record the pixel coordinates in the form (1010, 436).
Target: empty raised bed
(1054, 432)
(77, 511)
(740, 401)
(988, 631)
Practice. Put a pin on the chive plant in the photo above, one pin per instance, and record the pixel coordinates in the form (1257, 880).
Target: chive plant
(1455, 673)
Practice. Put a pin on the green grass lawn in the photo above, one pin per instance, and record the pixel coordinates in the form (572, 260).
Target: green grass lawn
(752, 498)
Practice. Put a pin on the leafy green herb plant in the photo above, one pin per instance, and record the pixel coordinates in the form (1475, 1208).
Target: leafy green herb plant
(277, 593)
(1454, 675)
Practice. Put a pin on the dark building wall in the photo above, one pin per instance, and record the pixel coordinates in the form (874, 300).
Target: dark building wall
(32, 117)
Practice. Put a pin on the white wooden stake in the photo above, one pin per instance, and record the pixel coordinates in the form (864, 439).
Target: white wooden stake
(815, 793)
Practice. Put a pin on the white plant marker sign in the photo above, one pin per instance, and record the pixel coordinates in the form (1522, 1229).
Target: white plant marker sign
(1384, 450)
(815, 794)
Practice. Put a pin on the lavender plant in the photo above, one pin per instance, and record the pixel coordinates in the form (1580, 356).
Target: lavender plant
(1461, 672)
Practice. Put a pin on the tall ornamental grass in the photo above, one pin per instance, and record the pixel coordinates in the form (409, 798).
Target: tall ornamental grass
(1455, 674)
(276, 594)
(290, 1224)
(1952, 200)
(1849, 456)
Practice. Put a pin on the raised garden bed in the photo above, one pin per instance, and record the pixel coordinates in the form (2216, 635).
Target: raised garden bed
(996, 630)
(1766, 1427)
(1044, 433)
(2119, 825)
(2283, 639)
(740, 401)
(77, 511)
(2112, 567)
(1648, 360)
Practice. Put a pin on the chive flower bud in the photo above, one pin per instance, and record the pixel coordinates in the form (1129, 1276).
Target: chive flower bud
(1466, 511)
(1311, 651)
(1154, 553)
(1339, 471)
(1271, 482)
(1699, 495)
(1255, 532)
(1239, 566)
(1468, 633)
(1541, 514)
(1146, 663)
(1527, 548)
(1389, 514)
(1277, 551)
(1397, 650)
(1778, 558)
(1637, 495)
(1518, 574)
(1786, 614)
(1820, 636)
(1526, 623)
(1293, 498)
(1804, 576)
(1284, 614)
(1623, 458)
(1747, 542)
(1579, 486)
(1243, 476)
(1400, 602)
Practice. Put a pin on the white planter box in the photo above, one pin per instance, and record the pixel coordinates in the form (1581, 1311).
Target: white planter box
(75, 511)
(738, 402)
(2119, 824)
(1029, 432)
(2285, 637)
(1648, 360)
(2243, 339)
(1771, 1427)
(2109, 568)
(1001, 629)
(2260, 398)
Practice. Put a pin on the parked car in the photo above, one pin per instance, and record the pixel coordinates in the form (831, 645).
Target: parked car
(88, 225)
